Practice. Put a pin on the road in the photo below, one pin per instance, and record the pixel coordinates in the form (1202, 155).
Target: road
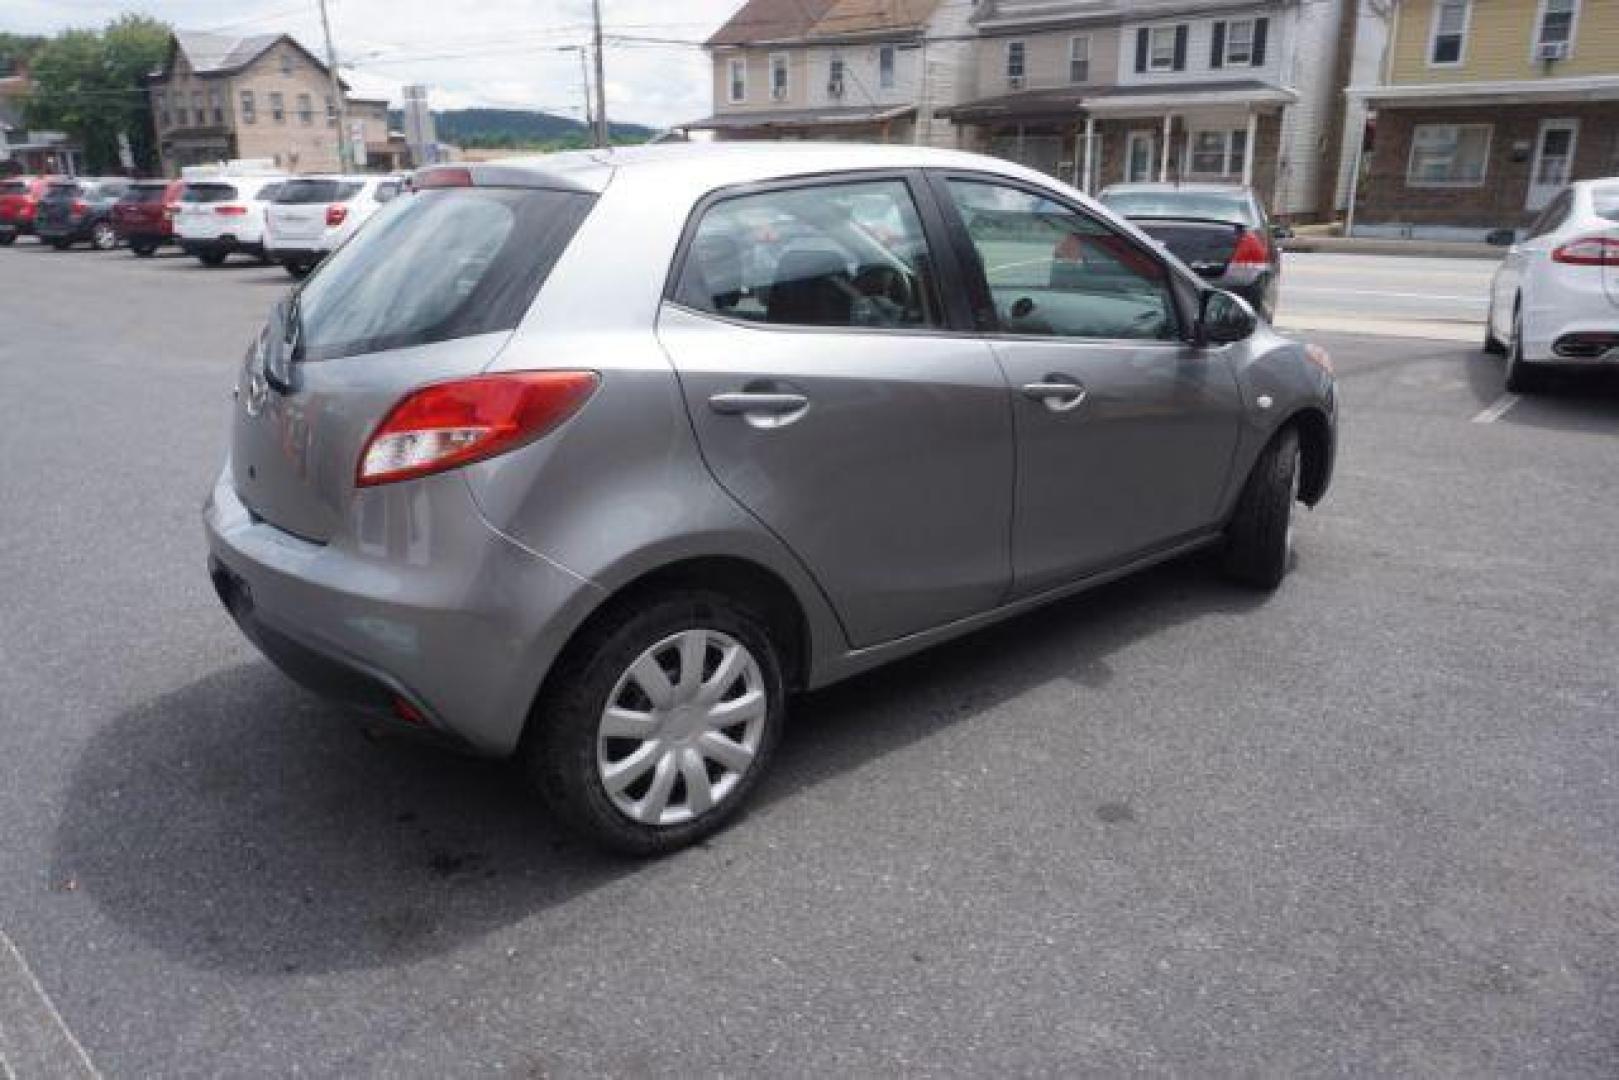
(1430, 298)
(1364, 825)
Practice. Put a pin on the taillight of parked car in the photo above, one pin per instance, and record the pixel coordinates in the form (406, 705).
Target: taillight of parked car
(1252, 250)
(78, 206)
(335, 214)
(230, 210)
(450, 424)
(1589, 251)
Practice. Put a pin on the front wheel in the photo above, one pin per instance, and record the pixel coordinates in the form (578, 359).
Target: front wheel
(61, 243)
(144, 251)
(297, 271)
(1259, 539)
(1522, 378)
(211, 258)
(658, 724)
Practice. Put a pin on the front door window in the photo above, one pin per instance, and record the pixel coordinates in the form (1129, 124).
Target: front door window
(1141, 157)
(1554, 161)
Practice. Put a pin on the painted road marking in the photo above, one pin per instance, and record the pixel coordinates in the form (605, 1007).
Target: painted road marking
(1497, 409)
(34, 1039)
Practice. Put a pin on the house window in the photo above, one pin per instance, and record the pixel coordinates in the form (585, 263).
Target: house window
(163, 108)
(250, 113)
(1556, 25)
(1079, 58)
(778, 76)
(834, 77)
(1217, 153)
(216, 105)
(739, 79)
(286, 61)
(278, 107)
(1239, 43)
(1014, 63)
(198, 113)
(885, 67)
(331, 111)
(1449, 31)
(1161, 48)
(306, 110)
(1448, 155)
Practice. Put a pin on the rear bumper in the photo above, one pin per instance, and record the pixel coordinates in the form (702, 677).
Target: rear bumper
(16, 228)
(64, 230)
(464, 638)
(218, 245)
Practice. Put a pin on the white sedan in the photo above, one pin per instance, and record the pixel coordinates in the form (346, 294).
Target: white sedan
(1555, 299)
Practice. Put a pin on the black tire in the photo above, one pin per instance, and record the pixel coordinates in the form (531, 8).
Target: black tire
(559, 752)
(7, 239)
(61, 243)
(1257, 544)
(1522, 378)
(211, 258)
(297, 271)
(103, 237)
(144, 251)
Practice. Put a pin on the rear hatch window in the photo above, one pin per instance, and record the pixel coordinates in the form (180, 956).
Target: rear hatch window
(1605, 200)
(208, 193)
(14, 187)
(435, 266)
(317, 191)
(145, 193)
(1211, 206)
(63, 191)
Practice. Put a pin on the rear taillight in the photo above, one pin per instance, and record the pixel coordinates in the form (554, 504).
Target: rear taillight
(1589, 251)
(335, 214)
(230, 210)
(447, 425)
(79, 206)
(442, 178)
(1251, 250)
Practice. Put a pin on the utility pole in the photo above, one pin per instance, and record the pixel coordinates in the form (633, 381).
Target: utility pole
(601, 79)
(343, 155)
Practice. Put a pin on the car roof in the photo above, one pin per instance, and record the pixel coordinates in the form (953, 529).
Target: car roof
(720, 164)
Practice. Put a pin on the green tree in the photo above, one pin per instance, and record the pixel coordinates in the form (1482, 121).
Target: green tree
(91, 85)
(16, 50)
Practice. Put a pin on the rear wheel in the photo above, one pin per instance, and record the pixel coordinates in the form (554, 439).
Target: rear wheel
(296, 270)
(1522, 378)
(1259, 539)
(61, 243)
(211, 258)
(144, 250)
(103, 237)
(658, 723)
(7, 239)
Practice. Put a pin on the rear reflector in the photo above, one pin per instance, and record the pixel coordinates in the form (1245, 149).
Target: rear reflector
(230, 210)
(447, 425)
(1251, 250)
(1589, 251)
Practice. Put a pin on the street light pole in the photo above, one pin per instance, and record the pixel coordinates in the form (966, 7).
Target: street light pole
(343, 155)
(601, 82)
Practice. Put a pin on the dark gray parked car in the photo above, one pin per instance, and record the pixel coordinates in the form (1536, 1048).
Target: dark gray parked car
(80, 211)
(590, 460)
(1220, 231)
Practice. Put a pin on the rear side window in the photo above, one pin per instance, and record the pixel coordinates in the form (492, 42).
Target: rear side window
(437, 265)
(295, 192)
(849, 254)
(62, 191)
(14, 187)
(1605, 202)
(145, 193)
(208, 193)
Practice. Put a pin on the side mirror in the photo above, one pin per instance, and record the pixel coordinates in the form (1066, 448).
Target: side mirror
(1223, 318)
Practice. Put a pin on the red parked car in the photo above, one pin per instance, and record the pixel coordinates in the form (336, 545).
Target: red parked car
(144, 217)
(19, 198)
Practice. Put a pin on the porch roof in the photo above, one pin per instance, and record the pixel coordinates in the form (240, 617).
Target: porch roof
(1515, 92)
(1061, 101)
(1134, 100)
(800, 118)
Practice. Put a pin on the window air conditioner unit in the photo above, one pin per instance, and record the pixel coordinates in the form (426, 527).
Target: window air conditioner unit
(1014, 82)
(1551, 50)
(835, 88)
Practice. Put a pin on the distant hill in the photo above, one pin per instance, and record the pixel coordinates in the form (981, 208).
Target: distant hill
(517, 129)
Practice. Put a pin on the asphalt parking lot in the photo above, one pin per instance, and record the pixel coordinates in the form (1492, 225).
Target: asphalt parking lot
(1365, 825)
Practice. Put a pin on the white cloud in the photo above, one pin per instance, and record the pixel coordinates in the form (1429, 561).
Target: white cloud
(505, 53)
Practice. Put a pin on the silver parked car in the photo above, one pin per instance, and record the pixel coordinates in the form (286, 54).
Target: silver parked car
(591, 459)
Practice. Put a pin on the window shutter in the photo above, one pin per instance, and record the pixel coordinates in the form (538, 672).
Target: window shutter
(1260, 28)
(1141, 49)
(1180, 47)
(1217, 50)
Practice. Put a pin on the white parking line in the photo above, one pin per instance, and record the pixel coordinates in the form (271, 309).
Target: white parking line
(34, 1039)
(1497, 409)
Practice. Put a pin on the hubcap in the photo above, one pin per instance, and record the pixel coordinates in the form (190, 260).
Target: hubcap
(681, 727)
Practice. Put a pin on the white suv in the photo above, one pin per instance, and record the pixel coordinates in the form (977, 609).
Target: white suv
(312, 215)
(221, 214)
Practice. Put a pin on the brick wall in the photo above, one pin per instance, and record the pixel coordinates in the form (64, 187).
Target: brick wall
(1385, 198)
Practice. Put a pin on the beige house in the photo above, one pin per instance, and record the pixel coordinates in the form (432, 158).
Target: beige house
(219, 97)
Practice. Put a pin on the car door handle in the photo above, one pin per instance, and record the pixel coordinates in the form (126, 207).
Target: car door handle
(741, 402)
(1057, 396)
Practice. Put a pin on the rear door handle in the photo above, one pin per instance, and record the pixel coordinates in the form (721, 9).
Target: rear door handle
(1057, 396)
(741, 402)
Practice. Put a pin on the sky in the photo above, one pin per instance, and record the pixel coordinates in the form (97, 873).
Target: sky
(502, 53)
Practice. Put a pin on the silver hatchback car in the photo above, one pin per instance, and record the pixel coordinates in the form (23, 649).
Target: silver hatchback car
(591, 459)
